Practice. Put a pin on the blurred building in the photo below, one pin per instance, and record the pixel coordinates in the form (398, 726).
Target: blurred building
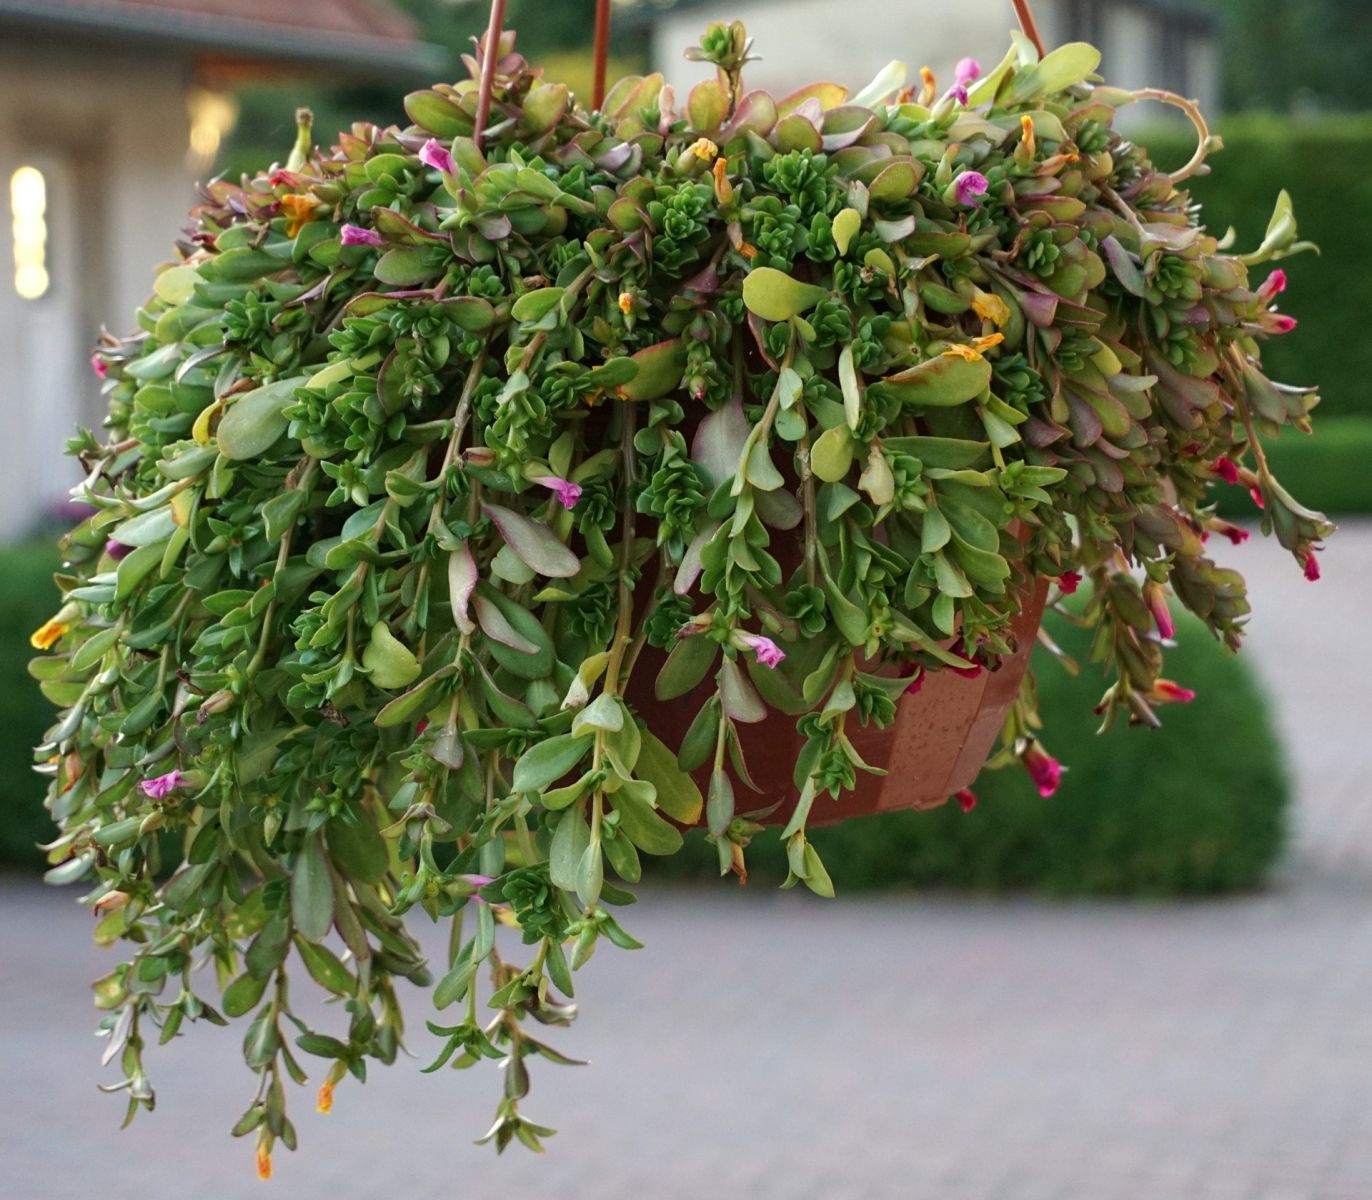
(110, 110)
(1172, 44)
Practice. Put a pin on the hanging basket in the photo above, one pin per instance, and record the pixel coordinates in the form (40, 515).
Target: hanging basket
(486, 500)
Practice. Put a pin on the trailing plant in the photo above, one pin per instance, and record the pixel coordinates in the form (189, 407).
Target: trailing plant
(425, 440)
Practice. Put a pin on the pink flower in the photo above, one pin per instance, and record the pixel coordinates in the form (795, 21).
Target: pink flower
(1068, 582)
(1043, 768)
(1273, 285)
(1167, 692)
(433, 154)
(116, 550)
(162, 786)
(1156, 599)
(1281, 323)
(768, 653)
(1312, 567)
(959, 93)
(967, 71)
(970, 187)
(98, 366)
(567, 492)
(1256, 493)
(967, 800)
(1232, 532)
(1226, 469)
(355, 235)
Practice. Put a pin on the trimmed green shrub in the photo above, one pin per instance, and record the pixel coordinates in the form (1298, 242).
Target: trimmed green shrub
(1196, 807)
(27, 598)
(1327, 470)
(1323, 163)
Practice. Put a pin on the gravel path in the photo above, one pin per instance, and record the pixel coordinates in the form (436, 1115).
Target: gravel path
(775, 1046)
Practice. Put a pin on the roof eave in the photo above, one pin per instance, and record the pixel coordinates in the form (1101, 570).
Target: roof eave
(271, 43)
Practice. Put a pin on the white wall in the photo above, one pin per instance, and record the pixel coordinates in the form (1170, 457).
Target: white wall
(109, 130)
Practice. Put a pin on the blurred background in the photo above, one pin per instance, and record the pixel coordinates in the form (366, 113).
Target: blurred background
(1198, 1027)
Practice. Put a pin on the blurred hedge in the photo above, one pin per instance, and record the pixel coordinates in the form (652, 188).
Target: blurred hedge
(27, 599)
(1330, 469)
(1323, 162)
(1196, 807)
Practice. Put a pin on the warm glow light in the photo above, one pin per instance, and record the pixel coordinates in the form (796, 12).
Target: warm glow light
(212, 115)
(29, 208)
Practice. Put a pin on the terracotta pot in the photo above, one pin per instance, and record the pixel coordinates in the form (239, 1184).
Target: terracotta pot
(939, 741)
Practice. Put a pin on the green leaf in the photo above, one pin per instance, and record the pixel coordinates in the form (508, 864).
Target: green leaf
(256, 419)
(677, 793)
(535, 305)
(387, 661)
(658, 373)
(590, 876)
(519, 643)
(846, 227)
(719, 805)
(831, 457)
(242, 995)
(357, 848)
(642, 824)
(311, 890)
(325, 968)
(940, 382)
(437, 114)
(547, 761)
(686, 666)
(570, 842)
(536, 545)
(1066, 66)
(176, 285)
(775, 296)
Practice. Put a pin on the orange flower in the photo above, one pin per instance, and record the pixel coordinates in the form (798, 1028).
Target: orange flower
(264, 1160)
(324, 1102)
(48, 634)
(930, 88)
(300, 210)
(626, 303)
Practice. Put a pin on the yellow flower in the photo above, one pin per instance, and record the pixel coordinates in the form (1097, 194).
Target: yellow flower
(974, 350)
(51, 632)
(704, 149)
(300, 210)
(957, 350)
(324, 1103)
(626, 303)
(990, 307)
(264, 1161)
(1028, 141)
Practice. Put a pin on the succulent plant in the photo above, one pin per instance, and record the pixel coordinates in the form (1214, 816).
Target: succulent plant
(822, 382)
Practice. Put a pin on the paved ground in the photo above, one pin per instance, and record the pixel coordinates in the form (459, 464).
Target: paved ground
(774, 1046)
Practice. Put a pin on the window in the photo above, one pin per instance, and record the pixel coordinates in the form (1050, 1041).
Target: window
(29, 210)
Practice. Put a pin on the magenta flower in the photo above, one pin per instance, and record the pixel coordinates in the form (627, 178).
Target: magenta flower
(970, 187)
(1273, 285)
(1167, 692)
(98, 366)
(967, 800)
(967, 71)
(1068, 582)
(1256, 493)
(1156, 599)
(1232, 532)
(1043, 768)
(1281, 323)
(768, 653)
(916, 685)
(162, 786)
(116, 550)
(1312, 567)
(1226, 469)
(959, 93)
(355, 235)
(567, 492)
(433, 154)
